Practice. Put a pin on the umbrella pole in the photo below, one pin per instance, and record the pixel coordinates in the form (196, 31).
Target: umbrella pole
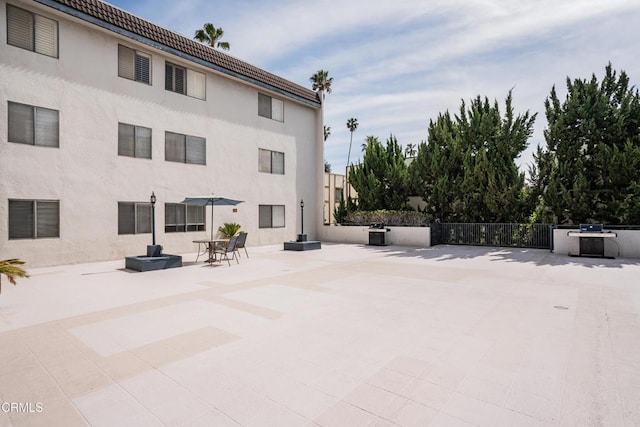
(211, 221)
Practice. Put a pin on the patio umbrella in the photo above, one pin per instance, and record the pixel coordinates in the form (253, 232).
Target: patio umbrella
(211, 201)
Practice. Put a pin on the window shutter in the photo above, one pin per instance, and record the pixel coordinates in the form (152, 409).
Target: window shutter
(168, 76)
(196, 150)
(19, 27)
(277, 109)
(143, 142)
(264, 105)
(125, 62)
(196, 84)
(46, 36)
(126, 140)
(170, 214)
(48, 219)
(143, 68)
(20, 123)
(277, 162)
(21, 219)
(264, 216)
(181, 217)
(143, 218)
(264, 160)
(126, 218)
(179, 80)
(47, 127)
(174, 147)
(278, 216)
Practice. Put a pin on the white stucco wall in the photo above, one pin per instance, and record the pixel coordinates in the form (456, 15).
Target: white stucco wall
(625, 245)
(406, 236)
(89, 178)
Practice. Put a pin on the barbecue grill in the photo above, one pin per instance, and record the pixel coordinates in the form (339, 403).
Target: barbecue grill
(377, 234)
(592, 239)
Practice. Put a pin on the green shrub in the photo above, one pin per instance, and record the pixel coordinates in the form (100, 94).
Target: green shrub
(388, 217)
(229, 229)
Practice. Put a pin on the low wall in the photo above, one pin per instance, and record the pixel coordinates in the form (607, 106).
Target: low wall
(626, 245)
(405, 236)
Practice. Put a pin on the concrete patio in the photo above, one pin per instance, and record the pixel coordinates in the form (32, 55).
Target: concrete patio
(346, 336)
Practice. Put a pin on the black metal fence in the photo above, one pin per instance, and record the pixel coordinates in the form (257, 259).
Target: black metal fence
(538, 236)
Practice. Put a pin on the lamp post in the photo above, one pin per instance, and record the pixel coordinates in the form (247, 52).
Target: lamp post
(153, 217)
(301, 216)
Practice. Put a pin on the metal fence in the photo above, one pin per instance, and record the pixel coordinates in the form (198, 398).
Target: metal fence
(511, 235)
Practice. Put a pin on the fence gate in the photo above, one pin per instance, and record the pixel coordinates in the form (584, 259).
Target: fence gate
(537, 236)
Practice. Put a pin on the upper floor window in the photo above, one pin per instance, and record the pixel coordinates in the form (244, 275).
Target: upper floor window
(180, 217)
(270, 161)
(134, 141)
(185, 81)
(134, 218)
(32, 32)
(134, 65)
(270, 108)
(185, 148)
(34, 219)
(271, 216)
(33, 125)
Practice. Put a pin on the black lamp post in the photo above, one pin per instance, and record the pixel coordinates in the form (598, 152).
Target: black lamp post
(153, 216)
(301, 216)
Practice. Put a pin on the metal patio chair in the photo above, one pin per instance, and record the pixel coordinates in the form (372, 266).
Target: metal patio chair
(242, 240)
(230, 248)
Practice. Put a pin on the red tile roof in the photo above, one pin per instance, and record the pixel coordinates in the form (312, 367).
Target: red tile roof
(103, 13)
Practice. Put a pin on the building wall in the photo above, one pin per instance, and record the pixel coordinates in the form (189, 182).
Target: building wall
(89, 178)
(403, 236)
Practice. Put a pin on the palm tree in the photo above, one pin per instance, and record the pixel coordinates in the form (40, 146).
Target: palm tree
(321, 82)
(327, 132)
(352, 125)
(210, 35)
(12, 269)
(410, 150)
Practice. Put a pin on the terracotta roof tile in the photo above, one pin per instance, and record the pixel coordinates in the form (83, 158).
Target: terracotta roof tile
(117, 17)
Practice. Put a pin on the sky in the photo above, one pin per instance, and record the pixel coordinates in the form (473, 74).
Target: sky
(397, 64)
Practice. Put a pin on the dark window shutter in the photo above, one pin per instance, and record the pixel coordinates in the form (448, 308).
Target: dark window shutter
(48, 219)
(21, 219)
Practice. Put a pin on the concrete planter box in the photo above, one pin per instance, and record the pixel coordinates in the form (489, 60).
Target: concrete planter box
(146, 263)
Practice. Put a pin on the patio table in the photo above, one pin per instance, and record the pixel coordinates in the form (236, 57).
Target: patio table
(209, 246)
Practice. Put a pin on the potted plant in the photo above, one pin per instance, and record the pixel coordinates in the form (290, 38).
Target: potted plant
(228, 229)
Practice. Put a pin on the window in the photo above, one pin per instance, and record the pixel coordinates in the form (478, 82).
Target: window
(32, 32)
(338, 194)
(271, 108)
(179, 217)
(185, 149)
(185, 81)
(134, 65)
(33, 125)
(34, 219)
(134, 218)
(134, 141)
(271, 216)
(270, 161)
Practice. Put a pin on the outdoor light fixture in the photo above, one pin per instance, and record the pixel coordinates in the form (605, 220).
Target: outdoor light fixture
(302, 237)
(153, 217)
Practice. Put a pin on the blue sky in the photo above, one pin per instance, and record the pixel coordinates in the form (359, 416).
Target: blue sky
(397, 64)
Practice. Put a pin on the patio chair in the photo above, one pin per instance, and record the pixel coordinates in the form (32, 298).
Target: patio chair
(229, 249)
(242, 240)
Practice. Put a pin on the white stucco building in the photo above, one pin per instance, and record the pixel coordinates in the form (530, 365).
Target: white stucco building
(99, 108)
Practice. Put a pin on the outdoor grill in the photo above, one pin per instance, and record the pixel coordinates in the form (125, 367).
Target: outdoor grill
(377, 234)
(592, 239)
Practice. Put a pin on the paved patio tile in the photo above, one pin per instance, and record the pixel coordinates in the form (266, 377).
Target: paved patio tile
(349, 335)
